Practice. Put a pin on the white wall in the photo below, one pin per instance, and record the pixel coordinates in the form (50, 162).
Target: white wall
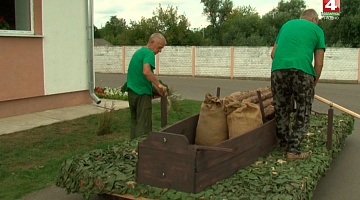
(249, 62)
(252, 62)
(65, 46)
(183, 63)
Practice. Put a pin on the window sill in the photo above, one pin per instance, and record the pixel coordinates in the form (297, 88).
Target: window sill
(20, 35)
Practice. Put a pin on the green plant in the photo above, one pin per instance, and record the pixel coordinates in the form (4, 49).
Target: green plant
(3, 23)
(172, 97)
(105, 121)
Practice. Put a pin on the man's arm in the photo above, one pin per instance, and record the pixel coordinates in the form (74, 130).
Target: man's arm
(318, 65)
(161, 89)
(273, 51)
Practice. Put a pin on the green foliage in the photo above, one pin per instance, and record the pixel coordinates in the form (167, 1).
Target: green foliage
(112, 170)
(217, 12)
(115, 31)
(96, 32)
(172, 25)
(106, 120)
(231, 26)
(243, 30)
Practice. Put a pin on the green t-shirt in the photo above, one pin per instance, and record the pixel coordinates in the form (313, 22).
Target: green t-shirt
(136, 79)
(296, 43)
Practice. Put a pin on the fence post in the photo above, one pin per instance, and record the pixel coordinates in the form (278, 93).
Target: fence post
(193, 60)
(123, 54)
(232, 55)
(157, 64)
(358, 66)
(330, 128)
(163, 106)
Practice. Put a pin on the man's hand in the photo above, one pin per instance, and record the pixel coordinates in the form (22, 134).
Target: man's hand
(161, 89)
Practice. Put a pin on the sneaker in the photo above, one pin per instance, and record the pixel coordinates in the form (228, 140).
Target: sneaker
(301, 156)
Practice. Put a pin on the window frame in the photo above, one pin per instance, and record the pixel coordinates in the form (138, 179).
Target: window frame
(22, 32)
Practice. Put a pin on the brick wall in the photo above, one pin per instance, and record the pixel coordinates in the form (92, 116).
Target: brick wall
(233, 62)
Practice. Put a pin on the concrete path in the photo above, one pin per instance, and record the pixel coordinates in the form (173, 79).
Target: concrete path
(341, 182)
(28, 121)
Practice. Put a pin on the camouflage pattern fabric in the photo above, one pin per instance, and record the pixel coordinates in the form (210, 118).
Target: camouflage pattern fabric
(289, 86)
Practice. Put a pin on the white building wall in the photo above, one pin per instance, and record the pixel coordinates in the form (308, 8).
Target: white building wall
(249, 62)
(65, 46)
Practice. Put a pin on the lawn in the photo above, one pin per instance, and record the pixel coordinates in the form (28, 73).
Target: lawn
(30, 160)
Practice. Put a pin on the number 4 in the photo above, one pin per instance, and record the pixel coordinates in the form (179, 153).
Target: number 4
(331, 4)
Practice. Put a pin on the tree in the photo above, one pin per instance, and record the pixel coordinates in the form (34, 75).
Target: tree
(173, 26)
(113, 30)
(217, 12)
(349, 8)
(167, 21)
(284, 12)
(244, 27)
(344, 32)
(96, 32)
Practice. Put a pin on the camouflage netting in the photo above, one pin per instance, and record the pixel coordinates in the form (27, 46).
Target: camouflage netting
(112, 170)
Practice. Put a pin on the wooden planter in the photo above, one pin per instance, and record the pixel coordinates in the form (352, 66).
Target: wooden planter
(169, 158)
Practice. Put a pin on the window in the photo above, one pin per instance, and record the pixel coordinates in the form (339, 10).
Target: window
(16, 16)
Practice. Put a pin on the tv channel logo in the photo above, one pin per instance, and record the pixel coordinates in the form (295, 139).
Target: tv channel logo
(331, 8)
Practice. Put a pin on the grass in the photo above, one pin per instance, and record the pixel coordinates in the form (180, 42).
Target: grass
(31, 159)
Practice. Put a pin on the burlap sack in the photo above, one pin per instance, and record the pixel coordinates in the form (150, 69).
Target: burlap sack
(242, 117)
(212, 127)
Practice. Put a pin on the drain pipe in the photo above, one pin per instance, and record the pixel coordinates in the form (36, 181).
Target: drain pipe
(90, 28)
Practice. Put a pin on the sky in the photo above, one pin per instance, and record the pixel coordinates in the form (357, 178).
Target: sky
(192, 9)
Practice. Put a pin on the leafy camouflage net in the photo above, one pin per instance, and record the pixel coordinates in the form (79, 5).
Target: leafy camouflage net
(112, 170)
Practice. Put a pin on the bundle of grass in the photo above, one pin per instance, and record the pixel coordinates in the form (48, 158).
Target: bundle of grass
(106, 121)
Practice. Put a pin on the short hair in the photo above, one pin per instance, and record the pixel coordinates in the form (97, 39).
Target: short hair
(157, 36)
(309, 14)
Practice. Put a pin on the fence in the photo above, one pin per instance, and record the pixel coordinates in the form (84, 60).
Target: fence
(341, 64)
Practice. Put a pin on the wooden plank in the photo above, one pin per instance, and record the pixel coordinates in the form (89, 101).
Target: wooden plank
(167, 159)
(264, 135)
(185, 127)
(225, 169)
(167, 142)
(120, 197)
(166, 169)
(261, 106)
(163, 104)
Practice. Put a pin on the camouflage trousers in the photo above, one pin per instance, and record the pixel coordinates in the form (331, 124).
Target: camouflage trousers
(288, 87)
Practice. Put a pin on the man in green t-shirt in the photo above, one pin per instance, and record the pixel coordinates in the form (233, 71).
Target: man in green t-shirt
(140, 83)
(293, 78)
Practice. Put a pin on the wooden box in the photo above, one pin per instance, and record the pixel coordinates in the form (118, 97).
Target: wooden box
(169, 158)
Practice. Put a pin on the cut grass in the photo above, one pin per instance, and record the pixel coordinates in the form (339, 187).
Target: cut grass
(31, 159)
